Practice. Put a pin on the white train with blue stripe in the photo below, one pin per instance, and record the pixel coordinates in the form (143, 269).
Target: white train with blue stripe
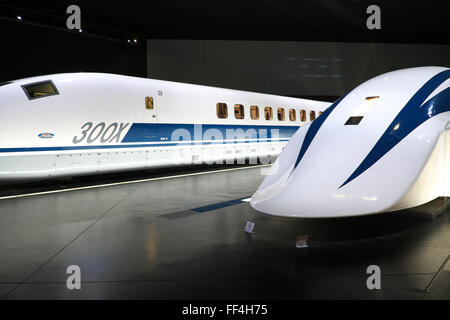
(385, 146)
(87, 123)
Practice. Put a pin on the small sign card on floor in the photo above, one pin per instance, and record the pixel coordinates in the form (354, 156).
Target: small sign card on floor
(249, 227)
(301, 242)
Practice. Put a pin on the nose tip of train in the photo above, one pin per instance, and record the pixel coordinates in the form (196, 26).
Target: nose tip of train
(309, 198)
(278, 199)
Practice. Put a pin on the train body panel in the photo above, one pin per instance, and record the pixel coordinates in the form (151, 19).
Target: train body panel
(366, 152)
(382, 147)
(85, 123)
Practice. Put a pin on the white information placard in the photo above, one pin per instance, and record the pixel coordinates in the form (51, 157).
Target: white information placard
(249, 227)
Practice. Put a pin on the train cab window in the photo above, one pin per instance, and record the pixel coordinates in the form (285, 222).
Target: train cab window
(222, 110)
(292, 115)
(280, 114)
(239, 111)
(40, 89)
(149, 103)
(312, 115)
(353, 121)
(302, 115)
(254, 112)
(268, 113)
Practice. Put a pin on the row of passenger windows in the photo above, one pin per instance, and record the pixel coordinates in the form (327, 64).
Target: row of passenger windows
(239, 113)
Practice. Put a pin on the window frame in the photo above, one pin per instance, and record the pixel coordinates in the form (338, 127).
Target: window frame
(253, 107)
(149, 102)
(271, 113)
(353, 121)
(24, 88)
(294, 112)
(241, 108)
(218, 108)
(302, 115)
(283, 113)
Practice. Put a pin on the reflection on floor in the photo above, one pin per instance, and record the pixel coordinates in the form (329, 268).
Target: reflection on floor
(184, 238)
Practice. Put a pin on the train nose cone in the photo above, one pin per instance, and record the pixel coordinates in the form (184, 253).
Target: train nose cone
(368, 153)
(278, 199)
(310, 197)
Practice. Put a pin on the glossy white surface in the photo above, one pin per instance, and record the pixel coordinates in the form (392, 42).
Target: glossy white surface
(107, 98)
(312, 190)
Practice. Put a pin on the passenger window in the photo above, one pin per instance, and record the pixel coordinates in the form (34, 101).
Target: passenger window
(312, 115)
(222, 110)
(149, 103)
(280, 114)
(239, 111)
(254, 112)
(268, 115)
(353, 121)
(320, 112)
(292, 115)
(40, 90)
(302, 115)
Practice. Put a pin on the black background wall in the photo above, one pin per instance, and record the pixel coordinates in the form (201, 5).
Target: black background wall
(322, 70)
(29, 50)
(258, 45)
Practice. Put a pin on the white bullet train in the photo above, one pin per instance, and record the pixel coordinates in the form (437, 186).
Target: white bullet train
(382, 147)
(88, 123)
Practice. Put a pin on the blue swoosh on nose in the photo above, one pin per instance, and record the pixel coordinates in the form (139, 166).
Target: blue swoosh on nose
(313, 129)
(413, 114)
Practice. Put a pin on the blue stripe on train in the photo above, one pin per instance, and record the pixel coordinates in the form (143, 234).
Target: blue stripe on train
(160, 132)
(412, 115)
(313, 129)
(153, 132)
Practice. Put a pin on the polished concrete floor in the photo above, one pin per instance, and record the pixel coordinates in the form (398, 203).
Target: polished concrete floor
(183, 238)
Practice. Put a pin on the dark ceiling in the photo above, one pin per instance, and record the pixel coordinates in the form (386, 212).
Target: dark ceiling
(317, 20)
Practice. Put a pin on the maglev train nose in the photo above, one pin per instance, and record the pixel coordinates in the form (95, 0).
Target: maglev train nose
(311, 188)
(374, 150)
(277, 199)
(310, 198)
